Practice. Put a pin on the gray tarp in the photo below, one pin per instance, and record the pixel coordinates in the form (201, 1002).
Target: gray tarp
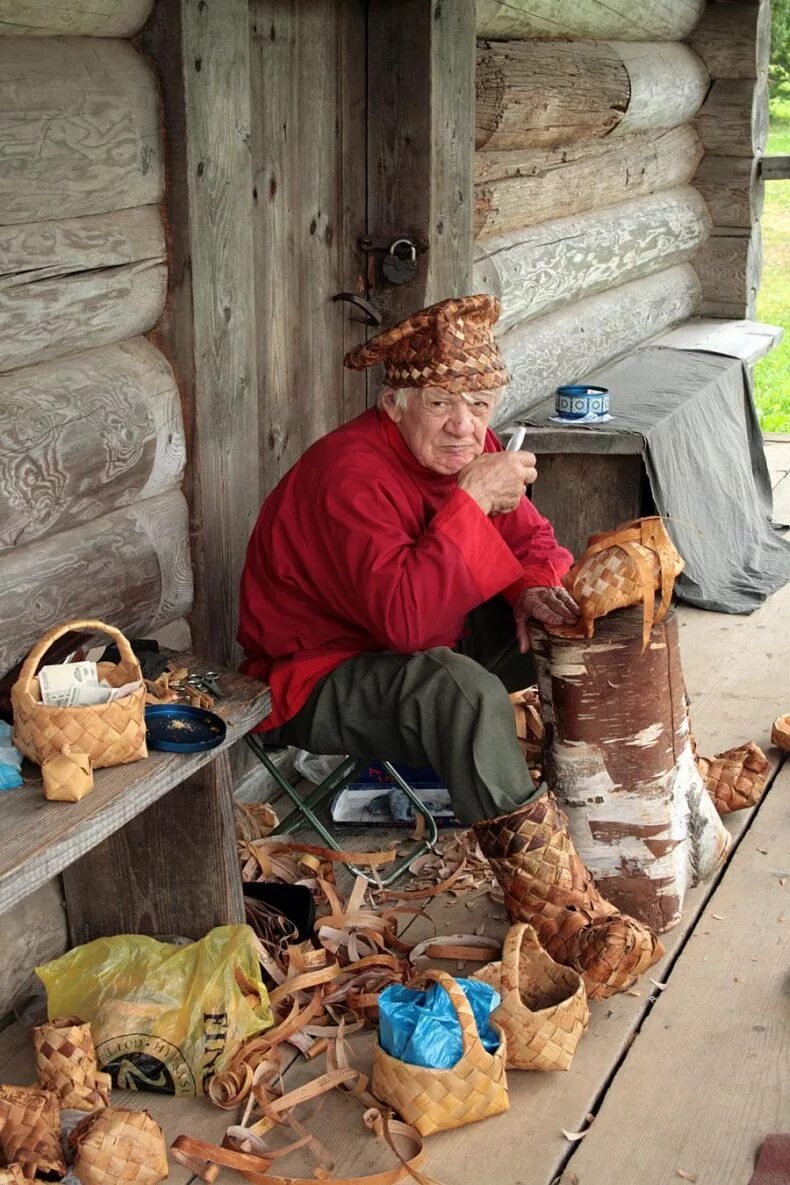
(704, 457)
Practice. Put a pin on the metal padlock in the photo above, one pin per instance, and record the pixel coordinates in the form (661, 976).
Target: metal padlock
(399, 269)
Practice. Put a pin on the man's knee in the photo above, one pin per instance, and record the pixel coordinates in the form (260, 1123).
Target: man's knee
(463, 676)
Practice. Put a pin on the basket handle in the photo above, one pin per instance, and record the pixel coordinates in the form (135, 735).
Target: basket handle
(30, 665)
(466, 1018)
(516, 937)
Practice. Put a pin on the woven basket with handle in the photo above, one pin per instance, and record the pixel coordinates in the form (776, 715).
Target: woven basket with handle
(110, 734)
(544, 1009)
(623, 567)
(436, 1100)
(119, 1147)
(66, 1063)
(30, 1130)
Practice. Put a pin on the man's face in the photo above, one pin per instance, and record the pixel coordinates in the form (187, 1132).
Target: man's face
(445, 432)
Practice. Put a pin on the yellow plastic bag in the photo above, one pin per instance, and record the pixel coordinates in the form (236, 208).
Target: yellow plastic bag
(163, 1017)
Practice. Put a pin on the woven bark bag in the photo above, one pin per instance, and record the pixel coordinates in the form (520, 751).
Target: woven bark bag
(623, 567)
(109, 734)
(119, 1147)
(12, 1175)
(544, 1010)
(437, 1100)
(529, 728)
(30, 1130)
(780, 733)
(736, 778)
(66, 1064)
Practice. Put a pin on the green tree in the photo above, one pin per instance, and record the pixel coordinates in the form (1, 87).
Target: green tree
(779, 72)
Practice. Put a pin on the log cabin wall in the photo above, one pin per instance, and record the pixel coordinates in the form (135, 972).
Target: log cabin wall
(93, 521)
(616, 189)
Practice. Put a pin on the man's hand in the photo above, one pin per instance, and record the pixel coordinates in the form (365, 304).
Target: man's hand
(496, 480)
(550, 606)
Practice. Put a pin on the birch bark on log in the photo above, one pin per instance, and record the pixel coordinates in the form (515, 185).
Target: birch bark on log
(729, 267)
(733, 188)
(533, 94)
(566, 345)
(668, 84)
(537, 270)
(733, 120)
(619, 759)
(130, 567)
(76, 18)
(524, 188)
(630, 20)
(79, 129)
(734, 40)
(83, 436)
(69, 285)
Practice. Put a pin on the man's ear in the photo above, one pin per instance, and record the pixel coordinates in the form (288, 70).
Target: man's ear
(388, 402)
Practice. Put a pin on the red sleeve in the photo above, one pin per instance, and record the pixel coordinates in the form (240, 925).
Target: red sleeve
(530, 537)
(410, 593)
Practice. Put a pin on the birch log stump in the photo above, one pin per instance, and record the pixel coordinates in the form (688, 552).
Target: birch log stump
(525, 187)
(631, 20)
(566, 345)
(545, 267)
(619, 759)
(77, 18)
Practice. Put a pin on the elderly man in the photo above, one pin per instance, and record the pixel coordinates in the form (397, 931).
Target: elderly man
(385, 599)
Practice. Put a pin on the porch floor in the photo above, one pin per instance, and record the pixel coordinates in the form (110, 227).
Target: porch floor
(678, 1082)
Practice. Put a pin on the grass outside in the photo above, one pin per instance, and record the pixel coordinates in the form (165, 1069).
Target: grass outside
(772, 374)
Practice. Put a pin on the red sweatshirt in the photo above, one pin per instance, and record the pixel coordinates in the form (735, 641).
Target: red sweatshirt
(361, 548)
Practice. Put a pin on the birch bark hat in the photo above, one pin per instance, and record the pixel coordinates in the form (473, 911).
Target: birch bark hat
(449, 345)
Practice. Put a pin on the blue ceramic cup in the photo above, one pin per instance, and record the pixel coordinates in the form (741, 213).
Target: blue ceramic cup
(578, 400)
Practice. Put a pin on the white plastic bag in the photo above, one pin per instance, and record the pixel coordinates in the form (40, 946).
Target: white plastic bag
(314, 766)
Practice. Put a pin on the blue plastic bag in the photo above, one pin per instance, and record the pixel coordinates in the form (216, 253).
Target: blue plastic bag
(422, 1027)
(10, 760)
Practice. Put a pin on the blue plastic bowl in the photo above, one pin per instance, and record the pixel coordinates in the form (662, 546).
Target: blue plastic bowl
(577, 400)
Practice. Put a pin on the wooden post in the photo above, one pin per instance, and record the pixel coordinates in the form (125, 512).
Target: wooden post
(421, 102)
(619, 759)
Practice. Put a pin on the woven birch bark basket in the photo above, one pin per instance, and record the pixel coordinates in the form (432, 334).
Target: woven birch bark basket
(437, 1100)
(30, 1130)
(109, 734)
(544, 1010)
(66, 1064)
(618, 757)
(119, 1147)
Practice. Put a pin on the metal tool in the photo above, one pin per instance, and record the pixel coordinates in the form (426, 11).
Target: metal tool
(517, 439)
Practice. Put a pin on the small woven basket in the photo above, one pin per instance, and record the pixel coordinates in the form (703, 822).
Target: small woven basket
(30, 1130)
(436, 1100)
(780, 733)
(544, 1010)
(66, 1063)
(110, 734)
(12, 1175)
(623, 567)
(735, 779)
(119, 1147)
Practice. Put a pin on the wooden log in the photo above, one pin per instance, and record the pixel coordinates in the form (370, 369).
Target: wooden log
(734, 40)
(733, 188)
(537, 270)
(775, 168)
(533, 94)
(130, 568)
(567, 344)
(81, 282)
(733, 120)
(621, 764)
(729, 267)
(76, 18)
(519, 189)
(668, 85)
(629, 20)
(84, 436)
(79, 129)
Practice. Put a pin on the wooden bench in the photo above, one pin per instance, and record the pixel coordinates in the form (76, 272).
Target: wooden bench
(151, 849)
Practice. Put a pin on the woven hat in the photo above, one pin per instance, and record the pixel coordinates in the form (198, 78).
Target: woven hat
(449, 345)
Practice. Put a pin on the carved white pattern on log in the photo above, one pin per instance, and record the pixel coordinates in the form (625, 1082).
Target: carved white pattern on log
(536, 270)
(524, 188)
(79, 129)
(115, 568)
(82, 436)
(78, 18)
(668, 85)
(564, 346)
(632, 20)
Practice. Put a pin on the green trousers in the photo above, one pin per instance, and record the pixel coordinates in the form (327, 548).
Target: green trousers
(445, 708)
